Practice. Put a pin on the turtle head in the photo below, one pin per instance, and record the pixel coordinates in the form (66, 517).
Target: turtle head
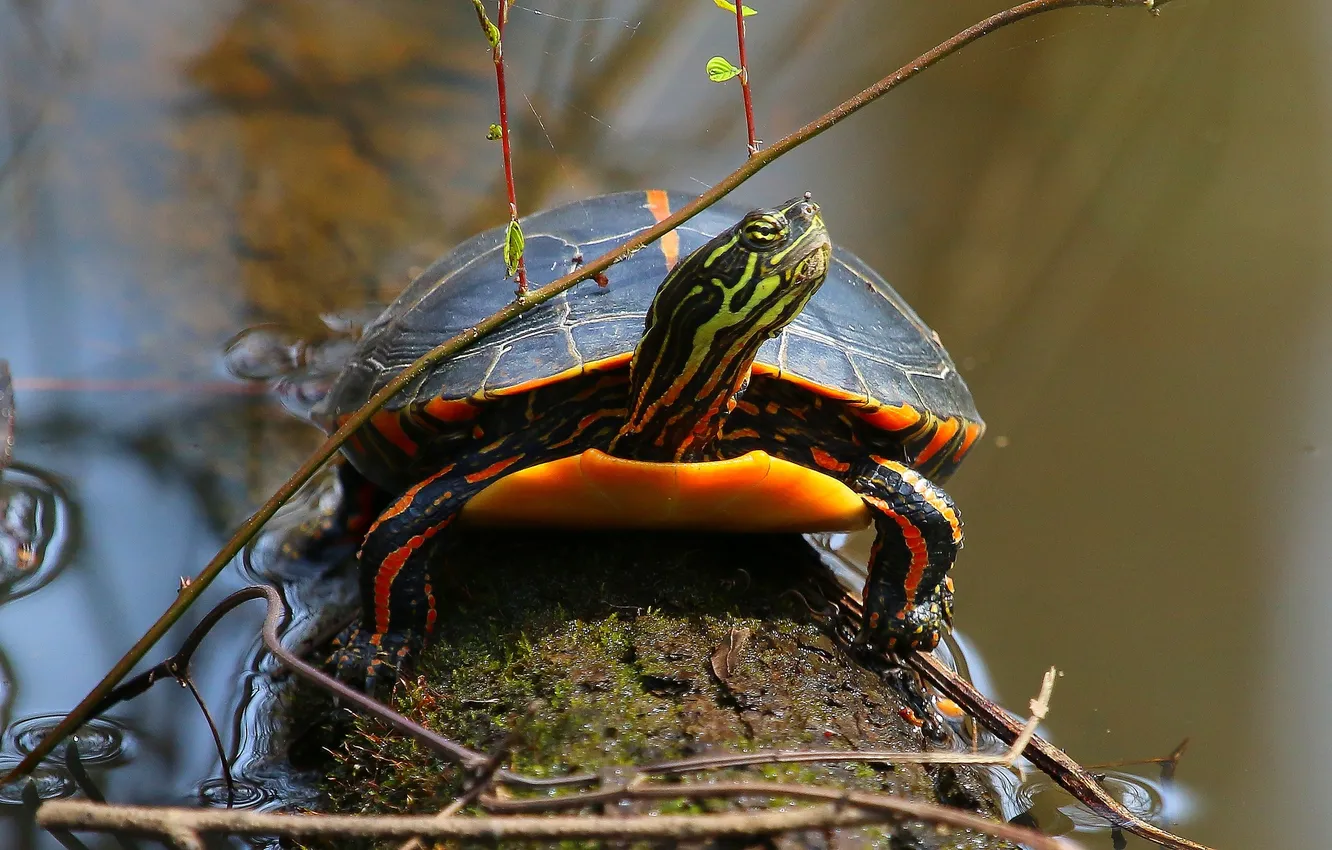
(707, 321)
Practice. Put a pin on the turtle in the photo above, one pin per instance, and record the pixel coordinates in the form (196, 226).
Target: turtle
(738, 374)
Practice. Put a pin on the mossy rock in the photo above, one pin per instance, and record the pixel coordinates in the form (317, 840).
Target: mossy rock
(593, 651)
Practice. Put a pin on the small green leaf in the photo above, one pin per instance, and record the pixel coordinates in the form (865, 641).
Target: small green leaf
(513, 247)
(495, 133)
(730, 7)
(720, 69)
(492, 31)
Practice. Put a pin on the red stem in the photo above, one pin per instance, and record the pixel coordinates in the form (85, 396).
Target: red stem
(498, 55)
(744, 75)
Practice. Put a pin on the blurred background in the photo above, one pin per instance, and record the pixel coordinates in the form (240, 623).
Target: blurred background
(1118, 223)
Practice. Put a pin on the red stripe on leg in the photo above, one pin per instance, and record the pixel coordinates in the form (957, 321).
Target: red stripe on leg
(405, 502)
(389, 569)
(915, 543)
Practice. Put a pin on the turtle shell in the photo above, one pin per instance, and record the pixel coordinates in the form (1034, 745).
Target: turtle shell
(857, 339)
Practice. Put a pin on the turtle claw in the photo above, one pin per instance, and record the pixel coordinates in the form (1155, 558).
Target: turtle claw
(371, 662)
(912, 628)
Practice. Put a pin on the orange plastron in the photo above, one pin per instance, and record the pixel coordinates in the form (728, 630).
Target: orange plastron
(752, 493)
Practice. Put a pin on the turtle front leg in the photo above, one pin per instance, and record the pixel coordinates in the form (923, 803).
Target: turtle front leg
(908, 595)
(397, 597)
(398, 601)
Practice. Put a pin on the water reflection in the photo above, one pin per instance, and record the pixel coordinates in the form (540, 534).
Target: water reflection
(300, 367)
(1158, 801)
(50, 782)
(36, 530)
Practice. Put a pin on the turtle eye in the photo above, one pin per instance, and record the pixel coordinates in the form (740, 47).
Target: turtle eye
(763, 231)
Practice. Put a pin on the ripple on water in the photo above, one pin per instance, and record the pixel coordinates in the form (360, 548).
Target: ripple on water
(51, 781)
(1154, 801)
(100, 741)
(35, 530)
(215, 793)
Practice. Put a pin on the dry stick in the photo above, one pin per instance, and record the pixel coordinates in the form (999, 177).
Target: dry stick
(82, 816)
(511, 311)
(848, 809)
(1070, 775)
(883, 803)
(744, 75)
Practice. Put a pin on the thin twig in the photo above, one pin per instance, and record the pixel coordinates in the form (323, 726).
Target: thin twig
(497, 54)
(506, 314)
(1039, 708)
(188, 682)
(1168, 763)
(744, 75)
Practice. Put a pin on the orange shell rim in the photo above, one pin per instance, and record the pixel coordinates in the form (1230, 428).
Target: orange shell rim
(754, 493)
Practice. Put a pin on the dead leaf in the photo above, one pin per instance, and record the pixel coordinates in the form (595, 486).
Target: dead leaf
(727, 654)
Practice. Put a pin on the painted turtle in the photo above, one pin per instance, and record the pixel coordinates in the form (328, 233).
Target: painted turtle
(770, 398)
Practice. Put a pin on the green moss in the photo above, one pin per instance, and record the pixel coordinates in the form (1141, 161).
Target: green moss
(628, 650)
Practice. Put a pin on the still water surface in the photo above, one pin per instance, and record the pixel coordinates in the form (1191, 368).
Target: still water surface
(1117, 224)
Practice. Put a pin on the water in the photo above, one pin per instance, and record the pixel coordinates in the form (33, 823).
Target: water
(1116, 223)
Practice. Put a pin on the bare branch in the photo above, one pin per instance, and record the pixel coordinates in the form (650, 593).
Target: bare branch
(77, 815)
